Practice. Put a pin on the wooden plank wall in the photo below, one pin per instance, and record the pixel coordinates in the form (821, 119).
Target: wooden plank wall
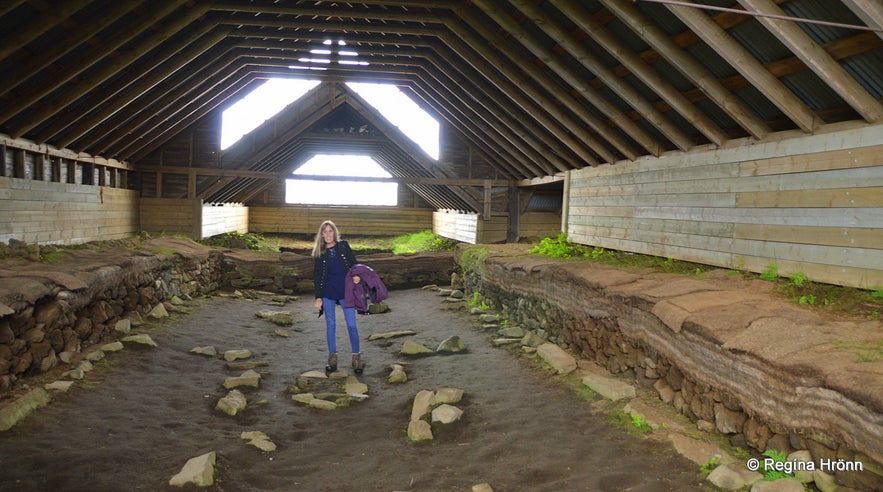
(224, 218)
(352, 221)
(470, 227)
(811, 204)
(45, 212)
(537, 225)
(175, 216)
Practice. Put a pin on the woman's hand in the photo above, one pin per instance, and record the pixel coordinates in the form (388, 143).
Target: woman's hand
(318, 303)
(356, 279)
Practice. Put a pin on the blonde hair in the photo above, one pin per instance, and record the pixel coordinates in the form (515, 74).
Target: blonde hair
(319, 247)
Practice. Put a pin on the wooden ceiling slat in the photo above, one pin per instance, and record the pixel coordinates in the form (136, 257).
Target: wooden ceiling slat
(114, 99)
(49, 18)
(869, 12)
(817, 60)
(591, 62)
(687, 65)
(753, 71)
(578, 83)
(28, 67)
(529, 76)
(12, 104)
(632, 63)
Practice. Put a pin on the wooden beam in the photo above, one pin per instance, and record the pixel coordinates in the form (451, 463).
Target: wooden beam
(75, 37)
(582, 54)
(528, 86)
(46, 20)
(632, 63)
(746, 64)
(869, 12)
(112, 65)
(240, 173)
(817, 60)
(687, 65)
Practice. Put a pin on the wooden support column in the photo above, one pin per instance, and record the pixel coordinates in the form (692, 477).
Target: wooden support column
(513, 232)
(39, 167)
(72, 172)
(2, 159)
(88, 173)
(159, 184)
(18, 163)
(56, 163)
(486, 213)
(191, 184)
(565, 202)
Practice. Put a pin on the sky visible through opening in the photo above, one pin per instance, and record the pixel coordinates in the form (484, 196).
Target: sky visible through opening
(272, 96)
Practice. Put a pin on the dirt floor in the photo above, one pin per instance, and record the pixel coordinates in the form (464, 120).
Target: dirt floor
(137, 418)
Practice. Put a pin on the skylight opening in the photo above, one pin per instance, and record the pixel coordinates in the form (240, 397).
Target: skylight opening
(260, 105)
(341, 192)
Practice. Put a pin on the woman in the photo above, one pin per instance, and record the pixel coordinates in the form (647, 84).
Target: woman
(332, 259)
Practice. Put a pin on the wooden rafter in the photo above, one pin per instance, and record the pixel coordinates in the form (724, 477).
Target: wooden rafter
(687, 65)
(817, 60)
(748, 66)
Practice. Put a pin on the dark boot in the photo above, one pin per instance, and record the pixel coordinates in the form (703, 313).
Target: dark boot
(332, 363)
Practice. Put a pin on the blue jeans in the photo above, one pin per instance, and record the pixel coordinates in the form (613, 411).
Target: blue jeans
(349, 314)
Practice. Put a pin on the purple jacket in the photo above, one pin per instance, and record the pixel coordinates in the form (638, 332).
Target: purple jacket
(355, 294)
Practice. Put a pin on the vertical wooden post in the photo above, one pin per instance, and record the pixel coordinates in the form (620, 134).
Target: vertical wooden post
(191, 184)
(72, 172)
(2, 159)
(565, 202)
(18, 164)
(514, 232)
(486, 212)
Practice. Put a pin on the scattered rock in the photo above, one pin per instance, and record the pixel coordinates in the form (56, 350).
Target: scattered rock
(248, 378)
(233, 403)
(610, 388)
(397, 375)
(232, 355)
(378, 308)
(555, 356)
(281, 333)
(208, 350)
(482, 487)
(448, 395)
(112, 347)
(280, 318)
(199, 471)
(142, 339)
(259, 440)
(733, 476)
(22, 407)
(322, 404)
(512, 332)
(423, 402)
(419, 430)
(452, 345)
(531, 339)
(410, 347)
(354, 387)
(390, 334)
(158, 312)
(499, 342)
(123, 326)
(446, 414)
(489, 318)
(59, 386)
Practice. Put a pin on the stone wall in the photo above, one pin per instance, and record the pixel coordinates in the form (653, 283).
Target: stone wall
(51, 314)
(756, 397)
